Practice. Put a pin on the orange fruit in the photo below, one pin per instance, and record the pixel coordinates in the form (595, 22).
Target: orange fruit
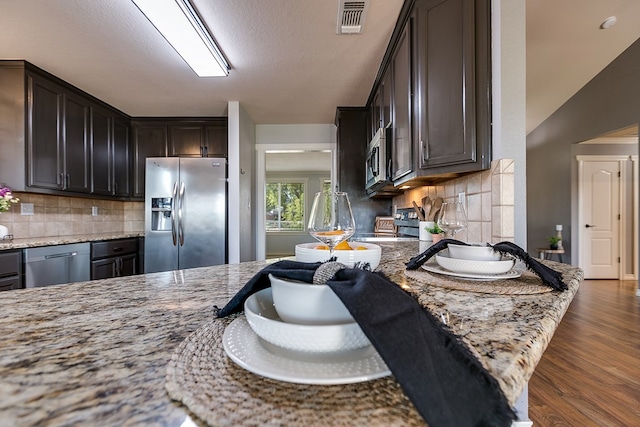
(323, 247)
(361, 248)
(343, 246)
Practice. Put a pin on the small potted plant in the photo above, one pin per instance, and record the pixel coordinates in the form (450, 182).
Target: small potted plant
(436, 232)
(553, 242)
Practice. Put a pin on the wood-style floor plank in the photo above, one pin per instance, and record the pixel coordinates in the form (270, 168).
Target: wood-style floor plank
(590, 373)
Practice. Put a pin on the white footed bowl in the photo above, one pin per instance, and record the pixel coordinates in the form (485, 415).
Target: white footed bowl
(474, 267)
(266, 323)
(307, 252)
(307, 304)
(476, 252)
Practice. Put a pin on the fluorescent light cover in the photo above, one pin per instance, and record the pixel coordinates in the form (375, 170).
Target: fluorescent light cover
(179, 24)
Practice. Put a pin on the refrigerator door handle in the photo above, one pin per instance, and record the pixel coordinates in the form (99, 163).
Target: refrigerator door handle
(180, 226)
(174, 194)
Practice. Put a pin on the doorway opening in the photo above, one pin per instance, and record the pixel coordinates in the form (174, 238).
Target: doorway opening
(287, 177)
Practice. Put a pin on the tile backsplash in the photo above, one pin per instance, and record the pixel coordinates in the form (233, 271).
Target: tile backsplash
(489, 197)
(66, 216)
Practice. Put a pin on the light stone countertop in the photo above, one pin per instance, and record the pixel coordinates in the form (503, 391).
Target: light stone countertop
(95, 353)
(33, 242)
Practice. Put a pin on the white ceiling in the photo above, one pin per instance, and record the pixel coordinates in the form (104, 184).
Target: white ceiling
(288, 63)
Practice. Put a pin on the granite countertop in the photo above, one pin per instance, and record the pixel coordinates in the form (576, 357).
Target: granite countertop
(96, 352)
(33, 242)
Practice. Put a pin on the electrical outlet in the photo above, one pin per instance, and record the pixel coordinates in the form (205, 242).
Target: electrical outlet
(461, 198)
(94, 211)
(26, 208)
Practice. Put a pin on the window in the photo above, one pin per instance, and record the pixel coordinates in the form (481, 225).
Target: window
(285, 206)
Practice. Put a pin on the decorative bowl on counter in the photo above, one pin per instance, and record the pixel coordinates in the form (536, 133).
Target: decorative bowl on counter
(445, 261)
(307, 304)
(476, 252)
(361, 252)
(266, 323)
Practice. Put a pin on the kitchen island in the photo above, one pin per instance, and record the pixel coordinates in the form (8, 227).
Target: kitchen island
(96, 353)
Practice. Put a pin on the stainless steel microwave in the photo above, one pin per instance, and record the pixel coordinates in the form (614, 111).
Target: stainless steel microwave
(377, 159)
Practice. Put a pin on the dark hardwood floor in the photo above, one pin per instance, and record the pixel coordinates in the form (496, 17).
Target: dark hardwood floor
(590, 373)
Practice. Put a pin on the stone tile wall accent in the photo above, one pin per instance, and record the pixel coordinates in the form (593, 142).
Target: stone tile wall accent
(489, 201)
(66, 216)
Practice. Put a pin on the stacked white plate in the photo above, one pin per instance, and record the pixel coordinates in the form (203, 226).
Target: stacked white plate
(473, 262)
(263, 343)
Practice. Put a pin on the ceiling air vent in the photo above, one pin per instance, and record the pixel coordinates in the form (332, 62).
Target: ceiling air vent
(351, 16)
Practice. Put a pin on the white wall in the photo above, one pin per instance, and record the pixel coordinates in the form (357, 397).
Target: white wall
(242, 139)
(509, 100)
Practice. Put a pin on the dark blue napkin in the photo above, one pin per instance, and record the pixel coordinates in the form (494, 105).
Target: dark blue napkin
(446, 383)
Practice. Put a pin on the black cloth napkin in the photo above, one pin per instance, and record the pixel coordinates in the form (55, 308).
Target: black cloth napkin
(294, 270)
(549, 276)
(446, 383)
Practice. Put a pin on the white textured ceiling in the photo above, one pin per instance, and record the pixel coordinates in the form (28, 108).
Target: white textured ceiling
(288, 65)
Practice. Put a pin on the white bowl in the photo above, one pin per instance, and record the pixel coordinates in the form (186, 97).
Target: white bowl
(307, 304)
(266, 323)
(307, 252)
(474, 267)
(477, 252)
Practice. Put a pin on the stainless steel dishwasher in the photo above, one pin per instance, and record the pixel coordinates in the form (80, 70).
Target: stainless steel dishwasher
(52, 265)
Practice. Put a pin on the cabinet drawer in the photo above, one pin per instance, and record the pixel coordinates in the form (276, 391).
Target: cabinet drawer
(113, 248)
(10, 283)
(10, 263)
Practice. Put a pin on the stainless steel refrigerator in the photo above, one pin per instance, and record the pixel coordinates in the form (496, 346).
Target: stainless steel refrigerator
(185, 213)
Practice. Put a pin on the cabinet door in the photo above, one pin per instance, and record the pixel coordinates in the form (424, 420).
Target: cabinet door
(149, 140)
(128, 265)
(101, 160)
(76, 144)
(401, 135)
(121, 156)
(186, 140)
(385, 105)
(445, 47)
(215, 139)
(44, 133)
(103, 269)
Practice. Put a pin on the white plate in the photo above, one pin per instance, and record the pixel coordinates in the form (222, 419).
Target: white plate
(467, 266)
(435, 268)
(255, 355)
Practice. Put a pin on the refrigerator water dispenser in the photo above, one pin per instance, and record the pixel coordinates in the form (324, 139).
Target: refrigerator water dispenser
(161, 214)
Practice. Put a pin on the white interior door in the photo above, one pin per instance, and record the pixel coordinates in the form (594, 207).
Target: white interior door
(600, 219)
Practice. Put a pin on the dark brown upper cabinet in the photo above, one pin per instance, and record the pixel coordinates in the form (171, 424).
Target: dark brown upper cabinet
(149, 140)
(175, 137)
(439, 62)
(57, 137)
(401, 133)
(66, 141)
(198, 139)
(451, 49)
(101, 152)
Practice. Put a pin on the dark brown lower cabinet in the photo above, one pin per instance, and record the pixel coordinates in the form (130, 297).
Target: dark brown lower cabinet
(114, 258)
(10, 270)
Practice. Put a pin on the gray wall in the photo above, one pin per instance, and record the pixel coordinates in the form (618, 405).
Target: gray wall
(610, 101)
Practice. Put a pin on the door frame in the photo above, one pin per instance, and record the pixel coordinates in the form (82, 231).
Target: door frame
(625, 258)
(261, 179)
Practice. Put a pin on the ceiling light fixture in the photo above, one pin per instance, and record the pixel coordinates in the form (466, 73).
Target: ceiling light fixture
(180, 25)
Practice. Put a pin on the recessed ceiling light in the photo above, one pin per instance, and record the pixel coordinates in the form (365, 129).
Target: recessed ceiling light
(608, 23)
